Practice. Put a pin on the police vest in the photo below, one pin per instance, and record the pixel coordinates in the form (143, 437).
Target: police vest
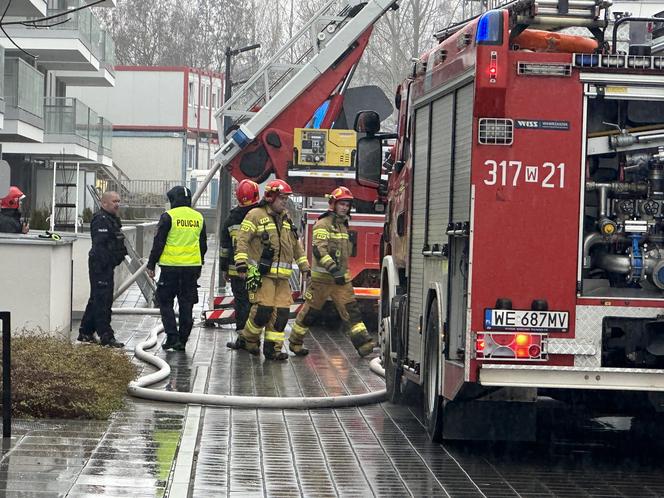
(183, 242)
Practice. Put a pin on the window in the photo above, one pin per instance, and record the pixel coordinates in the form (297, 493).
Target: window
(191, 93)
(191, 156)
(206, 95)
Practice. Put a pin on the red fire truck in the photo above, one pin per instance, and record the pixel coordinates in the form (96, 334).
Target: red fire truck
(524, 245)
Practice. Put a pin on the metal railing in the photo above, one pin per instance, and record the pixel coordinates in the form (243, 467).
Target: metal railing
(2, 72)
(67, 118)
(23, 86)
(146, 193)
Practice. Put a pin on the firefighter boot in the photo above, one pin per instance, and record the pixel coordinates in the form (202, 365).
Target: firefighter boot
(242, 343)
(361, 340)
(296, 340)
(272, 353)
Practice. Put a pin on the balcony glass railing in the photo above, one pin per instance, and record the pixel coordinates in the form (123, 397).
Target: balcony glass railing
(68, 117)
(109, 51)
(83, 21)
(23, 86)
(106, 137)
(2, 71)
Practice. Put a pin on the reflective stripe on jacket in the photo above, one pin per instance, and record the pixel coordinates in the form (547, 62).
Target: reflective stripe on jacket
(331, 247)
(259, 228)
(182, 245)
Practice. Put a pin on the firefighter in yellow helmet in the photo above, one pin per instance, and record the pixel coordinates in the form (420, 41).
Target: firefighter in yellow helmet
(267, 245)
(331, 278)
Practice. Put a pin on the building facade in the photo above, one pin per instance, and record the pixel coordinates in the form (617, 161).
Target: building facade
(56, 145)
(163, 121)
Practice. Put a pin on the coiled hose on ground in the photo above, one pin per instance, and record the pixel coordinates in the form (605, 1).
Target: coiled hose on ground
(139, 389)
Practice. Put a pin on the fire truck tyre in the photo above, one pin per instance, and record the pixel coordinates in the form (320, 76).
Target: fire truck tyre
(393, 351)
(431, 399)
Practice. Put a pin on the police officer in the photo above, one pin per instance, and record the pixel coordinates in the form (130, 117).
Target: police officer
(248, 195)
(179, 247)
(330, 277)
(10, 214)
(108, 251)
(267, 245)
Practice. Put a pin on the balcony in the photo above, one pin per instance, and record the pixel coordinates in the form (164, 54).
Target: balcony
(71, 132)
(27, 8)
(78, 45)
(24, 102)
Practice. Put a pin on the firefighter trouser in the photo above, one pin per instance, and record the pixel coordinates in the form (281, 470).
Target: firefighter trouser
(181, 283)
(344, 300)
(97, 316)
(241, 302)
(270, 307)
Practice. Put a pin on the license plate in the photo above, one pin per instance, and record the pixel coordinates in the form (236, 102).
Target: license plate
(525, 320)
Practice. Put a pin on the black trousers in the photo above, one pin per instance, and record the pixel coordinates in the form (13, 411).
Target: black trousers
(178, 282)
(241, 302)
(97, 316)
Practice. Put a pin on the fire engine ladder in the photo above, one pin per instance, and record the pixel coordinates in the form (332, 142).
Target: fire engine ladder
(315, 48)
(64, 208)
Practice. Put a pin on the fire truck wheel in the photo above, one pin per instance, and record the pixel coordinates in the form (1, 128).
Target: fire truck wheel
(431, 399)
(392, 350)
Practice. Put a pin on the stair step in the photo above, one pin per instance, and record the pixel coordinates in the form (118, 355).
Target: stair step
(64, 205)
(65, 185)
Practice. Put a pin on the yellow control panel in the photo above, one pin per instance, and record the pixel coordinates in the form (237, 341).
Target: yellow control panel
(320, 148)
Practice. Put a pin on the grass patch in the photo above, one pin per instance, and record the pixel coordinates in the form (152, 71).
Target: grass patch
(53, 378)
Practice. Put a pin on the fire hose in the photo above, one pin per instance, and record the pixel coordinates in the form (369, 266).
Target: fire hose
(139, 389)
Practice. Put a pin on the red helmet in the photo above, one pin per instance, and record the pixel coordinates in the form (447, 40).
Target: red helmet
(12, 200)
(276, 188)
(339, 194)
(247, 193)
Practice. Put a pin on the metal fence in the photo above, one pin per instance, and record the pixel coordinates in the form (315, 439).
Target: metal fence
(147, 193)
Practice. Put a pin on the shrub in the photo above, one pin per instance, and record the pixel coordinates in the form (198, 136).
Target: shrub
(39, 219)
(53, 378)
(87, 215)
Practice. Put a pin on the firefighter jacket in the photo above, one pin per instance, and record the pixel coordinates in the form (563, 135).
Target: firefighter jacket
(263, 232)
(10, 221)
(228, 238)
(180, 240)
(331, 247)
(108, 242)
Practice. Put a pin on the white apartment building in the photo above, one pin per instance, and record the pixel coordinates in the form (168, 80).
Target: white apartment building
(42, 125)
(163, 121)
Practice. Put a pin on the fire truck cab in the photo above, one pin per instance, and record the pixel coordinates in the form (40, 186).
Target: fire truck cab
(524, 244)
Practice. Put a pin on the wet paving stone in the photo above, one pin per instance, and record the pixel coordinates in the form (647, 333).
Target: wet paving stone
(380, 450)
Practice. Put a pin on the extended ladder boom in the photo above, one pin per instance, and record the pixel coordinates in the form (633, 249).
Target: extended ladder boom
(323, 42)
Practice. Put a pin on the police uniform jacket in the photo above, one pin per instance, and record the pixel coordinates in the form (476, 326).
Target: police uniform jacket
(108, 247)
(263, 227)
(176, 226)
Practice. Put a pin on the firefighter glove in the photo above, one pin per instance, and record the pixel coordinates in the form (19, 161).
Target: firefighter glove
(253, 279)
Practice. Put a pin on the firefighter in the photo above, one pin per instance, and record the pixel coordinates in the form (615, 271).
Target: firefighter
(179, 247)
(108, 251)
(267, 245)
(330, 277)
(10, 214)
(248, 195)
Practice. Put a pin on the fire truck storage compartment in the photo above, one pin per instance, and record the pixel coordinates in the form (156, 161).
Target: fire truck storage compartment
(623, 217)
(441, 196)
